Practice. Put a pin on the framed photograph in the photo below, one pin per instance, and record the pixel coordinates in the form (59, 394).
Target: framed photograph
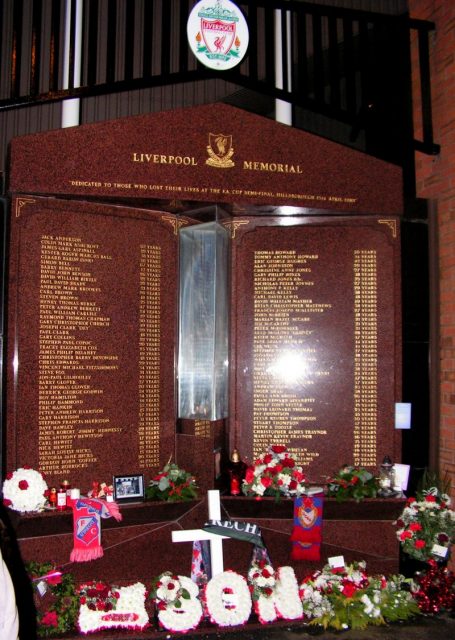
(128, 488)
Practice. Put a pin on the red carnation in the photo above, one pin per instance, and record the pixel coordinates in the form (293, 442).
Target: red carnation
(415, 526)
(249, 475)
(349, 589)
(410, 500)
(268, 591)
(405, 535)
(9, 476)
(278, 448)
(266, 573)
(23, 485)
(430, 499)
(170, 586)
(266, 482)
(419, 544)
(55, 579)
(288, 462)
(293, 485)
(354, 480)
(100, 586)
(443, 537)
(268, 458)
(100, 605)
(82, 599)
(50, 619)
(7, 502)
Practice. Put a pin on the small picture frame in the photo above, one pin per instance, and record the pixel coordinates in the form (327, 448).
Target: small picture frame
(128, 488)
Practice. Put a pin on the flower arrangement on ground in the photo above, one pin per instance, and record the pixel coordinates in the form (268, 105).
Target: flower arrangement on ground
(353, 483)
(25, 490)
(352, 599)
(176, 601)
(103, 606)
(60, 614)
(262, 581)
(274, 473)
(227, 599)
(425, 522)
(172, 484)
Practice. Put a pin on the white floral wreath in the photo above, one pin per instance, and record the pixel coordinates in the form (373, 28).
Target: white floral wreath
(176, 598)
(129, 612)
(24, 490)
(228, 599)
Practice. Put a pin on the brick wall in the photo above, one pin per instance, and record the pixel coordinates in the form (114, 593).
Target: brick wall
(436, 181)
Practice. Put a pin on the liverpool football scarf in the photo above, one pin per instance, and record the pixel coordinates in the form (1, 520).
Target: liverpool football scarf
(87, 514)
(306, 534)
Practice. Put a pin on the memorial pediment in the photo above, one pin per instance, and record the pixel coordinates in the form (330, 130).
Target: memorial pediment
(212, 154)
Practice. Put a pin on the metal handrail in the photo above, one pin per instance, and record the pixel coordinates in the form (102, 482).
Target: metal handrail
(334, 57)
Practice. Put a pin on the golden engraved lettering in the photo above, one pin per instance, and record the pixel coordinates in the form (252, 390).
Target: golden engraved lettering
(149, 355)
(64, 375)
(281, 294)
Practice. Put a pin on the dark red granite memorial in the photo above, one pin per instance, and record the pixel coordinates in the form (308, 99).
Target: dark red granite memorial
(92, 335)
(93, 321)
(316, 340)
(212, 153)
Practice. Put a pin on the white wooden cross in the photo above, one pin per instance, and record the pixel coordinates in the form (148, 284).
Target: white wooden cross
(216, 541)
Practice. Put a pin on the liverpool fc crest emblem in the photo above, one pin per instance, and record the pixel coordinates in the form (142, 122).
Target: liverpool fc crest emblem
(220, 151)
(217, 34)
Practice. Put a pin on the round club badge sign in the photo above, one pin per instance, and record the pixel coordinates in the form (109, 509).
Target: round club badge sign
(217, 34)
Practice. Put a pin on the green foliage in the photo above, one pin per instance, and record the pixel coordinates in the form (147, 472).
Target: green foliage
(61, 615)
(352, 483)
(432, 479)
(172, 484)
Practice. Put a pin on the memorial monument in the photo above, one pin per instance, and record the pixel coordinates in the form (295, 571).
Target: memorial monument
(288, 298)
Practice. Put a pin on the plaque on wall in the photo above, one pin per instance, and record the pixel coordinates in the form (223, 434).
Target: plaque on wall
(92, 331)
(316, 347)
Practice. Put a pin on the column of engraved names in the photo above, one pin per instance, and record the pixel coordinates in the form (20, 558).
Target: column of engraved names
(149, 355)
(67, 362)
(282, 353)
(365, 357)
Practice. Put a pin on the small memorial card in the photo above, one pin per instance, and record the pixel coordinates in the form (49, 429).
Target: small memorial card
(401, 476)
(336, 563)
(439, 551)
(41, 587)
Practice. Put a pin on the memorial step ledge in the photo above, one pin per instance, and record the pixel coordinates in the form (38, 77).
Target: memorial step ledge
(268, 508)
(53, 522)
